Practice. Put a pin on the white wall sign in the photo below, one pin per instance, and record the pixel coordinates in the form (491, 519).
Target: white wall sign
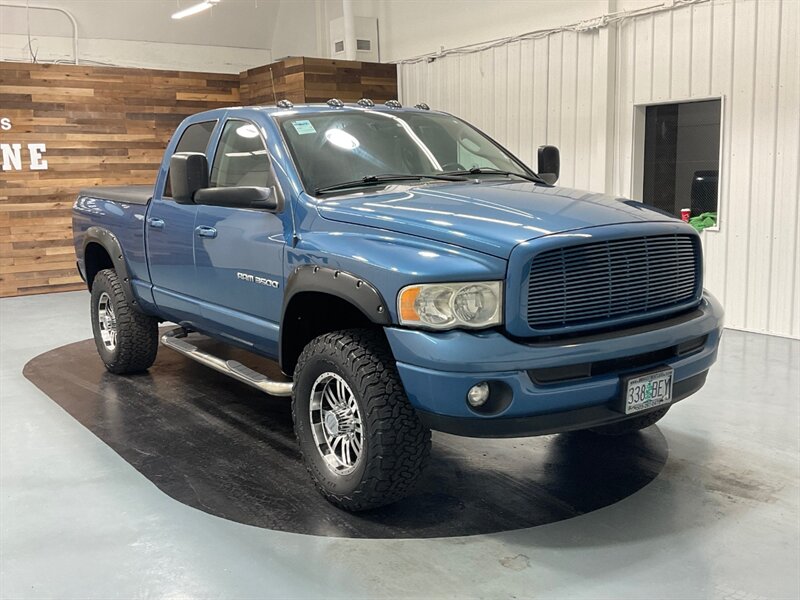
(13, 154)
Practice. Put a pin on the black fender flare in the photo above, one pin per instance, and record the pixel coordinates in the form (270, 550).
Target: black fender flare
(106, 239)
(356, 290)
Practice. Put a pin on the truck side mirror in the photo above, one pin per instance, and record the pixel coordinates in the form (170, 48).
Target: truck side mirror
(238, 197)
(188, 172)
(549, 164)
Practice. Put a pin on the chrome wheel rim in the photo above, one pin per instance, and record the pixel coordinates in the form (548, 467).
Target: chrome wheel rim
(107, 321)
(336, 423)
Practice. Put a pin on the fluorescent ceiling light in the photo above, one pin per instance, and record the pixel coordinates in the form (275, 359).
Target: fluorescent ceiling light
(193, 10)
(341, 138)
(247, 131)
(243, 154)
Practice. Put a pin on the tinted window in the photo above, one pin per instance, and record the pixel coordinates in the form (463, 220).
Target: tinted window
(681, 157)
(194, 139)
(241, 158)
(338, 146)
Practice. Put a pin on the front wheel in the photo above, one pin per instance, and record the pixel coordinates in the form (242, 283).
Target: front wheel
(126, 339)
(360, 438)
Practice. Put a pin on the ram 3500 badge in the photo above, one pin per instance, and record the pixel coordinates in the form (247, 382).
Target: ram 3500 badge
(408, 273)
(259, 280)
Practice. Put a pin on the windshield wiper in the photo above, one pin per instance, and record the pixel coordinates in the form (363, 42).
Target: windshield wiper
(490, 171)
(377, 179)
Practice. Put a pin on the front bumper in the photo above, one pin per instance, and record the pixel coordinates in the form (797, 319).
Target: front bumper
(437, 370)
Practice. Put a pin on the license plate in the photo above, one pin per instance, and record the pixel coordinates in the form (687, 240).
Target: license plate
(648, 390)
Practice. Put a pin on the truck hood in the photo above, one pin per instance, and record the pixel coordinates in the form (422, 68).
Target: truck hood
(489, 216)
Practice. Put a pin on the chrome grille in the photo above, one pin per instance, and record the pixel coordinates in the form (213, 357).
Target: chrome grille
(602, 281)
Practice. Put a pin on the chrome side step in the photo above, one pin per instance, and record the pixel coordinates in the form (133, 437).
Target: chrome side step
(174, 339)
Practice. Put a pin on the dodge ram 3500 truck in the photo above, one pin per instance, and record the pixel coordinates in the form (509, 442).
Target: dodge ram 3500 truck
(408, 273)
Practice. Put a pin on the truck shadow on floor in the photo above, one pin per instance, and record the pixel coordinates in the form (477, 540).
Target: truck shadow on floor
(226, 449)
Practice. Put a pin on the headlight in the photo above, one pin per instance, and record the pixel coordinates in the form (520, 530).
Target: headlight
(472, 305)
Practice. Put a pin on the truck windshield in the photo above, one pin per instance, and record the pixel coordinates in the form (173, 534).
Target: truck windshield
(337, 146)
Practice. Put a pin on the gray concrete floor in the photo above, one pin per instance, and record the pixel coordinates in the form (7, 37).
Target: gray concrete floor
(722, 520)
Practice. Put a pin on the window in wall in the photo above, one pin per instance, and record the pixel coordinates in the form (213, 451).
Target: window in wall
(194, 139)
(681, 156)
(241, 158)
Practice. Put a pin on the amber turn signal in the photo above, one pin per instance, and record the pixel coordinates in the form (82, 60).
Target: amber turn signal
(407, 298)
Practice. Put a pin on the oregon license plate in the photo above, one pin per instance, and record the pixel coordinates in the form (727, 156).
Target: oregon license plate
(647, 390)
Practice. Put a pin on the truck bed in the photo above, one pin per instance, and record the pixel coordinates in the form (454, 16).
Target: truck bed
(120, 212)
(124, 194)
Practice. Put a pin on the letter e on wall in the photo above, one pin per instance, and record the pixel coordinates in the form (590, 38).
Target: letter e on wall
(36, 151)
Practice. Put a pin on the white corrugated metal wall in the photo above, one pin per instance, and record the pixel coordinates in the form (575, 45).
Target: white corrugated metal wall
(579, 92)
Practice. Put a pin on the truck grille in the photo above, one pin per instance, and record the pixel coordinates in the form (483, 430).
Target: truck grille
(602, 281)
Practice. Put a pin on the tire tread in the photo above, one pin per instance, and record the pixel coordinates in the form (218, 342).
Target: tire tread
(402, 441)
(137, 333)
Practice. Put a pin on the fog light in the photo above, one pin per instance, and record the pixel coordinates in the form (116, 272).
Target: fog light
(478, 394)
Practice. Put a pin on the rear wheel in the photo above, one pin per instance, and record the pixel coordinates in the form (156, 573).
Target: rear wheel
(633, 424)
(126, 339)
(360, 438)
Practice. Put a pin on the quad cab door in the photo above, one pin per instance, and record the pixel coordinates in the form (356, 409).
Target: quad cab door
(170, 239)
(239, 251)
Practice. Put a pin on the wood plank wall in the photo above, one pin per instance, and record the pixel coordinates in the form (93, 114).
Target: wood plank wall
(109, 126)
(349, 80)
(303, 79)
(102, 126)
(276, 81)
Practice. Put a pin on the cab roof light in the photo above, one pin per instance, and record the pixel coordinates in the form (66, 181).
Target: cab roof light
(366, 103)
(335, 103)
(284, 104)
(422, 106)
(393, 104)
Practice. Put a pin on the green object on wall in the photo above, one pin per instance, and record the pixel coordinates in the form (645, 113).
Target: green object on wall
(704, 220)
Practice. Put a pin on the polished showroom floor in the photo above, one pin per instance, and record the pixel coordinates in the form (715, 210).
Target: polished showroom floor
(82, 517)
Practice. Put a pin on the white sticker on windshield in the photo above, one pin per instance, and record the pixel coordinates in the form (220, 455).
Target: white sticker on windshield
(303, 127)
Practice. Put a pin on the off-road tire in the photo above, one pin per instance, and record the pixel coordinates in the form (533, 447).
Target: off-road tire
(137, 334)
(396, 445)
(631, 425)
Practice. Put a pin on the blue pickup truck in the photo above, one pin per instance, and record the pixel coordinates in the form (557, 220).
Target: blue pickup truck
(408, 273)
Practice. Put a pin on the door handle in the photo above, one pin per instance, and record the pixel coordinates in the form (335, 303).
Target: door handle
(205, 231)
(156, 223)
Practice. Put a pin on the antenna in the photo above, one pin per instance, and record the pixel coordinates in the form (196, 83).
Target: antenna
(272, 82)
